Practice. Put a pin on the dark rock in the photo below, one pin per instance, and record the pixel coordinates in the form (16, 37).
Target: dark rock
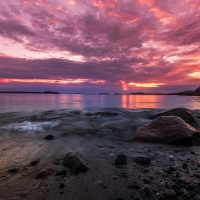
(62, 185)
(185, 165)
(133, 186)
(147, 190)
(124, 175)
(75, 162)
(121, 159)
(167, 129)
(142, 159)
(151, 177)
(167, 185)
(183, 113)
(61, 173)
(34, 162)
(169, 193)
(146, 181)
(49, 137)
(197, 175)
(45, 172)
(145, 170)
(13, 170)
(115, 177)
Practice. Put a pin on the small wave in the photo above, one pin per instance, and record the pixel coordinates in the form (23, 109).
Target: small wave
(32, 126)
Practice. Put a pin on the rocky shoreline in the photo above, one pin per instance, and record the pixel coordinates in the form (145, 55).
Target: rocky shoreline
(95, 167)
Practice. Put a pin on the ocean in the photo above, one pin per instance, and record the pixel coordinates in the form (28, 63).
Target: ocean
(28, 102)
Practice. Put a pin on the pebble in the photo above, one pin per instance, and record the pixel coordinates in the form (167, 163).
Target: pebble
(146, 190)
(124, 175)
(119, 198)
(98, 182)
(196, 175)
(62, 185)
(183, 191)
(142, 159)
(146, 181)
(151, 177)
(45, 172)
(133, 186)
(115, 177)
(169, 193)
(121, 159)
(13, 170)
(145, 170)
(185, 165)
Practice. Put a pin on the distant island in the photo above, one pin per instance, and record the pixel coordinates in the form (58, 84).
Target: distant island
(22, 92)
(195, 92)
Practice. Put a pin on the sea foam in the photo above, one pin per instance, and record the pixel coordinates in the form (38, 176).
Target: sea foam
(32, 126)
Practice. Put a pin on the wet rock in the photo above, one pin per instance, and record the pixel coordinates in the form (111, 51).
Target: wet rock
(61, 173)
(13, 170)
(169, 193)
(167, 129)
(121, 159)
(133, 186)
(45, 172)
(75, 162)
(49, 137)
(183, 113)
(142, 159)
(34, 162)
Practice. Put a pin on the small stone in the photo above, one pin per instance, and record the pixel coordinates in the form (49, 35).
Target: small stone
(61, 173)
(121, 159)
(75, 162)
(133, 186)
(45, 172)
(62, 192)
(145, 170)
(185, 165)
(169, 193)
(146, 190)
(167, 185)
(98, 182)
(34, 162)
(142, 159)
(124, 175)
(146, 181)
(62, 185)
(197, 175)
(197, 198)
(115, 177)
(183, 191)
(119, 198)
(151, 177)
(49, 137)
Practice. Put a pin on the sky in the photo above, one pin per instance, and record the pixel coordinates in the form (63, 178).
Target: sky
(91, 46)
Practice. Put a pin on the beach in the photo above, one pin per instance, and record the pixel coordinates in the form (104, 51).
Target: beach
(99, 137)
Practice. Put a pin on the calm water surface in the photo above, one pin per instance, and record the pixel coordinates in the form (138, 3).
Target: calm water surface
(28, 102)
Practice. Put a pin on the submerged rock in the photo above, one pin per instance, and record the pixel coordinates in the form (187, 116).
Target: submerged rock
(45, 172)
(75, 162)
(183, 113)
(168, 130)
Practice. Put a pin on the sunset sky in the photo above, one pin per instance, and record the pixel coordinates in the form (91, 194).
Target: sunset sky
(99, 45)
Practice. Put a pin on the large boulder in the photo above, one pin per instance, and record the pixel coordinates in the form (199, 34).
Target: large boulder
(168, 130)
(75, 162)
(183, 113)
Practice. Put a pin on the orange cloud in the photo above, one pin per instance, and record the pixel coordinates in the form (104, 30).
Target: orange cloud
(51, 81)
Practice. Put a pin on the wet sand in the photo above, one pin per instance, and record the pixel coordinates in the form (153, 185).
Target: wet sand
(104, 180)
